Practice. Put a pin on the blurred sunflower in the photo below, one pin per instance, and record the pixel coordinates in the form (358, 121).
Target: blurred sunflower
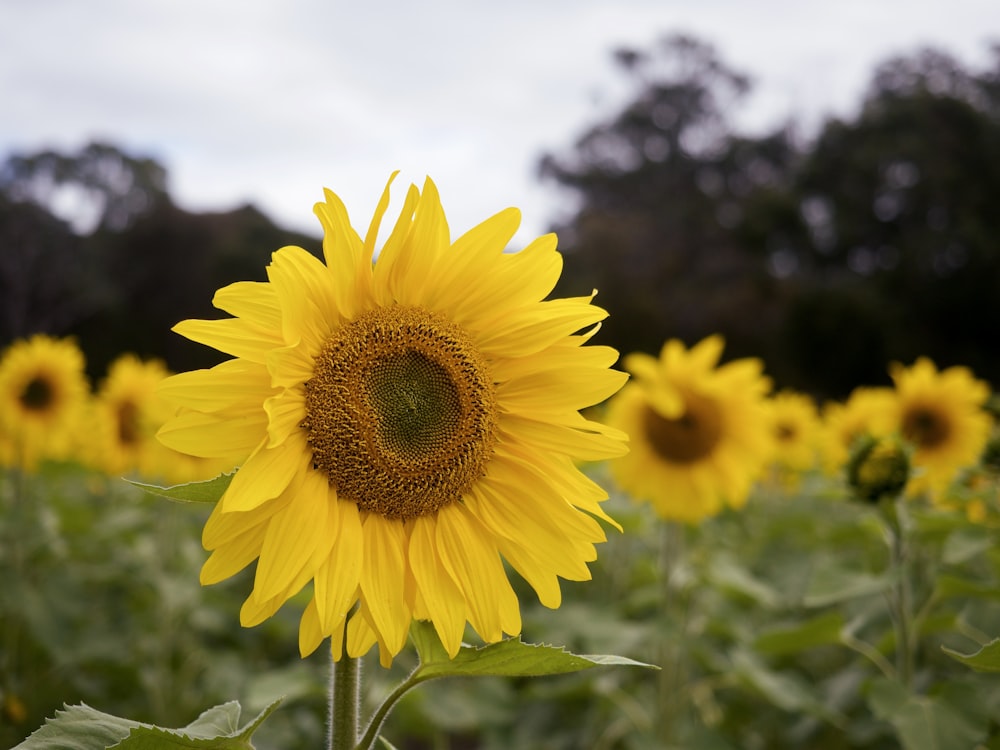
(941, 415)
(795, 427)
(866, 412)
(127, 411)
(43, 390)
(699, 431)
(402, 426)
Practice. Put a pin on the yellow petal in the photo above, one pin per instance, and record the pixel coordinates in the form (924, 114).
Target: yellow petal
(441, 595)
(210, 436)
(239, 552)
(233, 382)
(234, 336)
(382, 578)
(254, 301)
(266, 474)
(472, 560)
(310, 633)
(338, 577)
(291, 538)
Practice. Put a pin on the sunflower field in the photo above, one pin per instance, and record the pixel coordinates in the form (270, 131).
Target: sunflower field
(416, 466)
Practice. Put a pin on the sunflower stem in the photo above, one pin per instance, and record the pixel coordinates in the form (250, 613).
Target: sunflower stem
(379, 717)
(345, 702)
(905, 643)
(672, 677)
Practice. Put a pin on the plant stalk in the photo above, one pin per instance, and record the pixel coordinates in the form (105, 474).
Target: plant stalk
(345, 702)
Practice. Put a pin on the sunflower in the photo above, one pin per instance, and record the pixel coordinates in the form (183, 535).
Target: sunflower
(795, 426)
(127, 411)
(402, 425)
(866, 412)
(43, 390)
(699, 431)
(941, 415)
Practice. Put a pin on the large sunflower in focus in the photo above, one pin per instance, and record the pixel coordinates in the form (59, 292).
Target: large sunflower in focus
(941, 415)
(402, 427)
(699, 431)
(43, 390)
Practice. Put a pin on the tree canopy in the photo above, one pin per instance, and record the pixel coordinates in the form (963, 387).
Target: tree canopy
(875, 240)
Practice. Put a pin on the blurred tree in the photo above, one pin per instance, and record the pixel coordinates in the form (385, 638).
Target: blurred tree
(46, 281)
(165, 268)
(875, 241)
(91, 245)
(99, 186)
(663, 186)
(898, 207)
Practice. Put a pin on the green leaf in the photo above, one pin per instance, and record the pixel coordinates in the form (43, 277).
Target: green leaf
(831, 584)
(965, 543)
(727, 574)
(783, 689)
(79, 728)
(986, 659)
(508, 658)
(952, 719)
(951, 586)
(209, 491)
(822, 630)
(84, 728)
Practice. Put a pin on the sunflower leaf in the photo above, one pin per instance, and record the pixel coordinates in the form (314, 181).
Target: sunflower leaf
(986, 659)
(81, 727)
(209, 491)
(507, 658)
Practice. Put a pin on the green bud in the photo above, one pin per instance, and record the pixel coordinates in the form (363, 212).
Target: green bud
(878, 468)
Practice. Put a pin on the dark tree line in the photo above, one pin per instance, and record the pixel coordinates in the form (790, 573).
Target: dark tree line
(127, 264)
(878, 239)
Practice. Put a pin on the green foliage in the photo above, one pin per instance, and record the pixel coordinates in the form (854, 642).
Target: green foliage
(774, 627)
(508, 658)
(101, 605)
(84, 728)
(208, 491)
(986, 659)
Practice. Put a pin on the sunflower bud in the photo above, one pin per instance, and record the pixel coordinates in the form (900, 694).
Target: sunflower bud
(878, 468)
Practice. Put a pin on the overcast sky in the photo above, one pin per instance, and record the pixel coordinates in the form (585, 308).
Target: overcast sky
(269, 101)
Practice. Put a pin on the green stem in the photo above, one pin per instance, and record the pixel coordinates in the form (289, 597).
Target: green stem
(905, 643)
(378, 718)
(671, 677)
(345, 700)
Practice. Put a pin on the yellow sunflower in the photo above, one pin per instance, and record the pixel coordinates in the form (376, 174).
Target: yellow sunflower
(127, 411)
(42, 392)
(867, 411)
(402, 426)
(699, 431)
(941, 414)
(795, 427)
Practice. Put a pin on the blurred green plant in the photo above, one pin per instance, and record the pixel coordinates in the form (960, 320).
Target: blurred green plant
(776, 626)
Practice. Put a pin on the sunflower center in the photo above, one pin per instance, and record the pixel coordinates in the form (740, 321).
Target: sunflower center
(687, 438)
(785, 433)
(925, 427)
(37, 394)
(128, 423)
(401, 412)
